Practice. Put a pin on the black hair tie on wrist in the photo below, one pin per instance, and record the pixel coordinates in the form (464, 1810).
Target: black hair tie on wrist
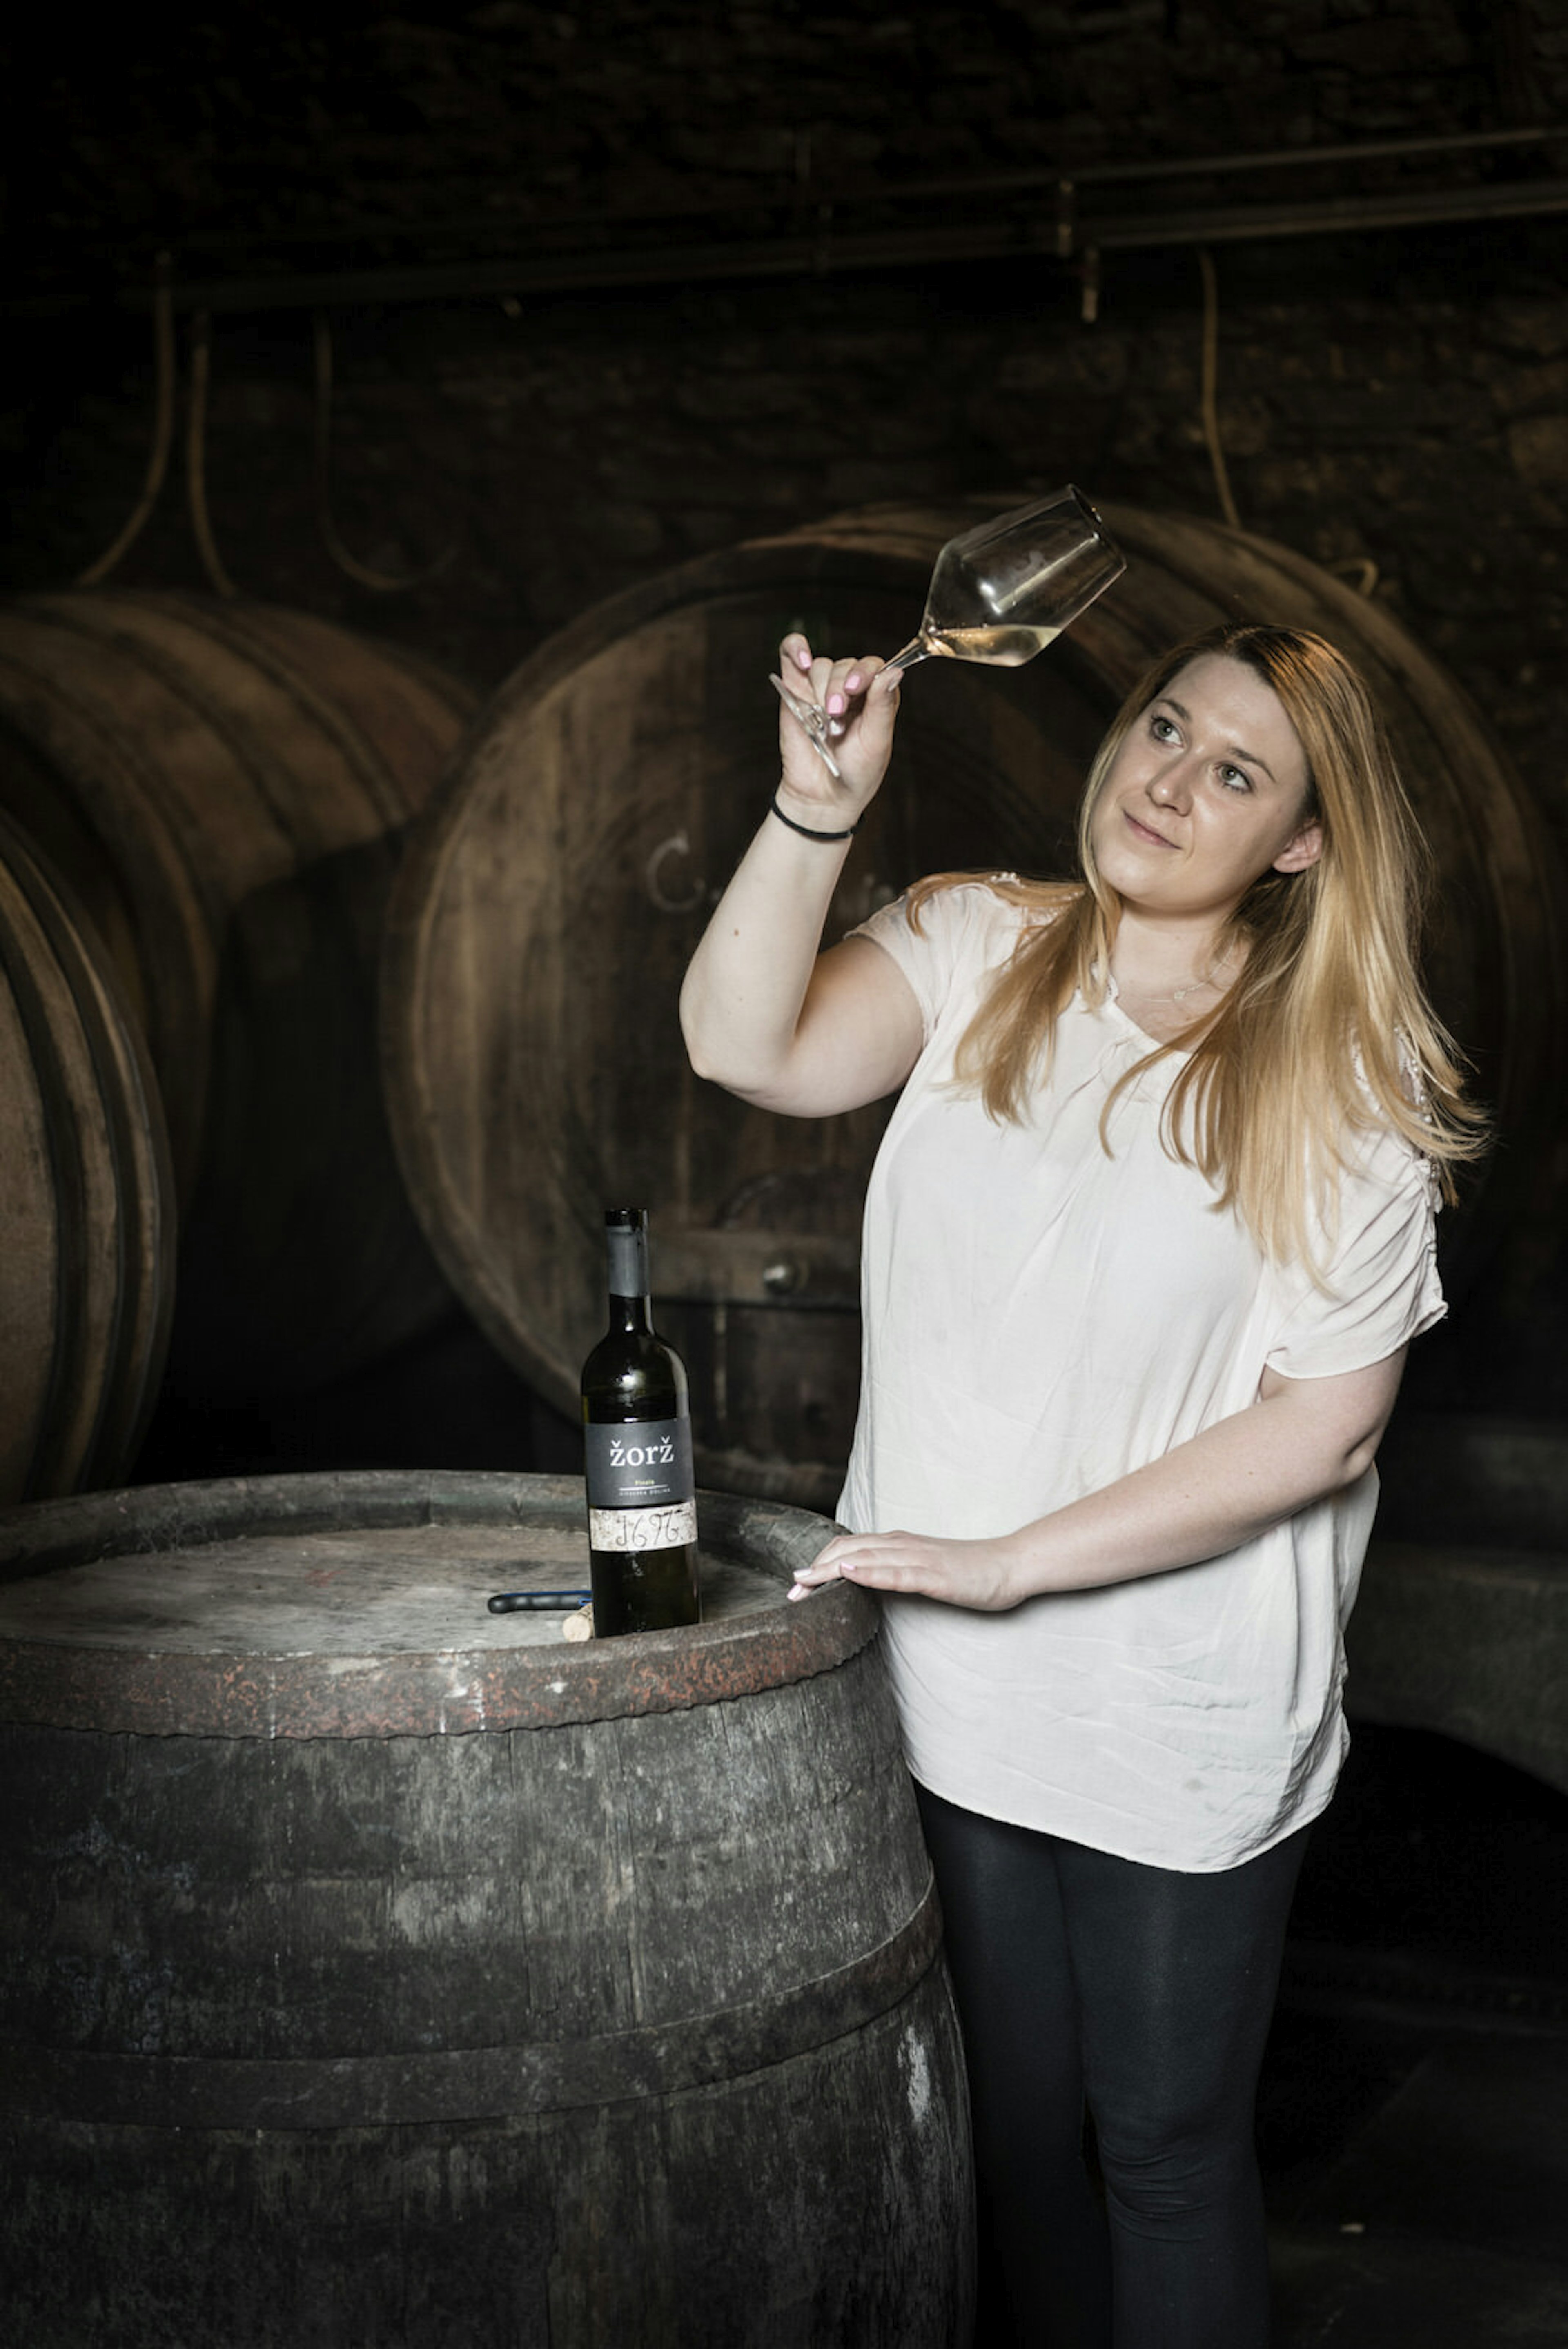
(805, 830)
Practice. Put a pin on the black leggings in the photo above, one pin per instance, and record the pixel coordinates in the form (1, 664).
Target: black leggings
(1143, 1996)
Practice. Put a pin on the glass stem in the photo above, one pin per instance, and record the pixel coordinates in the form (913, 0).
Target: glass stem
(912, 652)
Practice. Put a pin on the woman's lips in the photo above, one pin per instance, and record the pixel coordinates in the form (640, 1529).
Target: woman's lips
(1144, 833)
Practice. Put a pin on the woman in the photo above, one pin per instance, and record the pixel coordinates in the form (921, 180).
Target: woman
(1148, 1236)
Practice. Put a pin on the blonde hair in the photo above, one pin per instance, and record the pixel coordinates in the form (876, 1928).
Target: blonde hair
(1327, 1031)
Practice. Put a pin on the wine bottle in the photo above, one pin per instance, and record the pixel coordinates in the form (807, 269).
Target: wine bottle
(636, 1444)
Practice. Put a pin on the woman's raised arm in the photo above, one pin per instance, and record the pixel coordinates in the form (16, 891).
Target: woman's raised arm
(763, 1013)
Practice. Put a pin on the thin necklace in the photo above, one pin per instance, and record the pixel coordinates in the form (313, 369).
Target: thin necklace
(1177, 993)
(1210, 978)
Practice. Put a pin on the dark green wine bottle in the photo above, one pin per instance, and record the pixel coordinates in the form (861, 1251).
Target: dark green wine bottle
(636, 1443)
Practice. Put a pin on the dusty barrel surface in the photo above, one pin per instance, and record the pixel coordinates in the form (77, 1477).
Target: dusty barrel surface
(380, 1969)
(87, 1223)
(555, 889)
(225, 787)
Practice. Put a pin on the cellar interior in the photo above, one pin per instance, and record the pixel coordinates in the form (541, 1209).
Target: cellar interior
(421, 427)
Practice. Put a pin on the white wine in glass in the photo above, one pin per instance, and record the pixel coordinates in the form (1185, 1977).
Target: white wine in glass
(999, 595)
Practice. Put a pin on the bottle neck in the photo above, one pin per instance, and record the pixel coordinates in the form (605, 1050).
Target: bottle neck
(629, 1308)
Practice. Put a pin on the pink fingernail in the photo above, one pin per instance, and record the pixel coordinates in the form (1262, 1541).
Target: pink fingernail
(836, 705)
(803, 660)
(852, 684)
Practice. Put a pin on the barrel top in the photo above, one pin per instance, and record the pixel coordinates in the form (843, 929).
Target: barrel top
(354, 1604)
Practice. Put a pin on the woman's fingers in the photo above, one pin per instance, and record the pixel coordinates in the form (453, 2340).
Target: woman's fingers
(836, 685)
(841, 683)
(880, 1562)
(962, 1573)
(807, 776)
(857, 717)
(846, 686)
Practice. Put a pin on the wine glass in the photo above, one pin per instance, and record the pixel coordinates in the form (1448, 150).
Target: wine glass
(1000, 594)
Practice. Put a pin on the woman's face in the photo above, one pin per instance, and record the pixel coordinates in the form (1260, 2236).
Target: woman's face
(1208, 791)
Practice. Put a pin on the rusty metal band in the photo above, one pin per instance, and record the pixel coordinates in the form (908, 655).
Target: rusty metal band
(476, 2084)
(114, 1689)
(44, 1685)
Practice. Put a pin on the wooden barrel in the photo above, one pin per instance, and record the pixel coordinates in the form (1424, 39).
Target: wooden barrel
(1461, 1623)
(1469, 1638)
(556, 890)
(383, 1971)
(225, 787)
(87, 1223)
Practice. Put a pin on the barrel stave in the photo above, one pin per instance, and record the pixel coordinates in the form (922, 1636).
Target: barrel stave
(87, 1260)
(225, 787)
(329, 1897)
(843, 2220)
(624, 2026)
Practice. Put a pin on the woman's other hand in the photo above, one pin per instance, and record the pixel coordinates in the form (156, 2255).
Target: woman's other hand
(1303, 1441)
(861, 697)
(987, 1574)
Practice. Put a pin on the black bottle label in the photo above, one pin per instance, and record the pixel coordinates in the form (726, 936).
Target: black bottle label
(639, 1468)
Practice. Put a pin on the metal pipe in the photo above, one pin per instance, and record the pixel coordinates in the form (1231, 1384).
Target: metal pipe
(831, 251)
(1530, 199)
(1269, 159)
(811, 192)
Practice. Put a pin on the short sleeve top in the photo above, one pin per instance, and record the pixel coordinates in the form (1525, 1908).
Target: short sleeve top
(1043, 1315)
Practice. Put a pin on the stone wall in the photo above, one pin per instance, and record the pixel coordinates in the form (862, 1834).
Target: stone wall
(1391, 402)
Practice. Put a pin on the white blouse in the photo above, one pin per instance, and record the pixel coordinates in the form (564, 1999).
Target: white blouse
(1041, 1318)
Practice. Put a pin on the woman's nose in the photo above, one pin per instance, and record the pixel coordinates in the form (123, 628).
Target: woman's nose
(1167, 788)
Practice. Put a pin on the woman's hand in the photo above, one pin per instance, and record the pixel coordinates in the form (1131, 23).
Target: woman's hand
(1303, 1441)
(988, 1575)
(803, 1033)
(860, 695)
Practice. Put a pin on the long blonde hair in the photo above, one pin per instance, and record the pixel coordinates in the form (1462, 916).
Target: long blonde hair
(1326, 1032)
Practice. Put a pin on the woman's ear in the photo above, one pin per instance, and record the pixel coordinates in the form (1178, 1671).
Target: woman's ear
(1304, 849)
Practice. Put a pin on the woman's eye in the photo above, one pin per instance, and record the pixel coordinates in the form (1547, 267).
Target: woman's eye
(1162, 730)
(1234, 779)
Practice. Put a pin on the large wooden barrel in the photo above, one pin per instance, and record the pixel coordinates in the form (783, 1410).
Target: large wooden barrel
(225, 786)
(1467, 1638)
(1461, 1624)
(86, 1201)
(556, 890)
(381, 1971)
